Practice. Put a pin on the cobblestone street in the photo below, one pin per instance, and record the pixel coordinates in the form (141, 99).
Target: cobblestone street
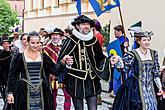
(106, 101)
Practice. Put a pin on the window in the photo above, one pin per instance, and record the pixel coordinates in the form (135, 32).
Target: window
(56, 3)
(15, 7)
(41, 4)
(47, 3)
(31, 4)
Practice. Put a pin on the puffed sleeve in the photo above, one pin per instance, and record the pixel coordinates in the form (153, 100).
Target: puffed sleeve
(156, 66)
(128, 60)
(13, 72)
(155, 70)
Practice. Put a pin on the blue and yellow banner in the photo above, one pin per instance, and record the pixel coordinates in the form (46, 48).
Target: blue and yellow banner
(78, 6)
(101, 6)
(114, 49)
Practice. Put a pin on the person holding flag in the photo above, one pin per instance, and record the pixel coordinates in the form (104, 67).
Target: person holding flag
(119, 46)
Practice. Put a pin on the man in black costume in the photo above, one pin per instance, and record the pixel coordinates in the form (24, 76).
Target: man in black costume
(5, 58)
(90, 65)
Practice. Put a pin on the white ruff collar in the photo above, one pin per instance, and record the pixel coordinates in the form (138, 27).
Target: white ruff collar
(83, 37)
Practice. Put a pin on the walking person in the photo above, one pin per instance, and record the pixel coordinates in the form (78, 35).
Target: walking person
(97, 33)
(20, 44)
(161, 97)
(52, 50)
(5, 59)
(137, 92)
(90, 65)
(28, 83)
(116, 79)
(24, 43)
(134, 30)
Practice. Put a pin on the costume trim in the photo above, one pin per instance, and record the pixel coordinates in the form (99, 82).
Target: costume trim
(84, 88)
(77, 76)
(76, 42)
(6, 57)
(34, 87)
(75, 86)
(91, 43)
(105, 60)
(139, 79)
(65, 48)
(27, 74)
(80, 60)
(140, 76)
(94, 89)
(52, 51)
(95, 62)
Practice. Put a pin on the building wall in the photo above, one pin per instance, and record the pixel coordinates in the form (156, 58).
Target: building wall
(150, 12)
(62, 21)
(59, 15)
(17, 5)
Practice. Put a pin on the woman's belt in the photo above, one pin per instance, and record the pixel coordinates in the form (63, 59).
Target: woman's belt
(35, 87)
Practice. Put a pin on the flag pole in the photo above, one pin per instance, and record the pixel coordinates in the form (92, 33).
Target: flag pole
(126, 47)
(109, 30)
(122, 22)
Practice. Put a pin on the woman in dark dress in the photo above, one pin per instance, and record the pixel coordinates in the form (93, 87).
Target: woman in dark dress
(28, 84)
(161, 98)
(137, 92)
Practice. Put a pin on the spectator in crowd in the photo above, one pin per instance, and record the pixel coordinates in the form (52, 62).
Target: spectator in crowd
(52, 50)
(5, 58)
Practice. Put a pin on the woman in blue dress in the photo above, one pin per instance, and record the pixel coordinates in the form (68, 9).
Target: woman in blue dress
(137, 92)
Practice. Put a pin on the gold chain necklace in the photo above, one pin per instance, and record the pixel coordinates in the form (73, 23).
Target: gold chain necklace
(33, 57)
(144, 53)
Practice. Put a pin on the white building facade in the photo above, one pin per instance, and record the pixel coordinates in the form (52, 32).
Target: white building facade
(39, 13)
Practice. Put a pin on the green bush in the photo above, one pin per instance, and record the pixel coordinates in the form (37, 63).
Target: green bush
(8, 18)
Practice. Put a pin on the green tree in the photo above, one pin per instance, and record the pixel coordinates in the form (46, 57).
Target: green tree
(106, 34)
(8, 17)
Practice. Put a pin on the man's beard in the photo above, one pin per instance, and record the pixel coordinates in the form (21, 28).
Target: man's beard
(85, 32)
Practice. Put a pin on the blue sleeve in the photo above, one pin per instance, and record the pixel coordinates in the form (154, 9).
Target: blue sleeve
(128, 60)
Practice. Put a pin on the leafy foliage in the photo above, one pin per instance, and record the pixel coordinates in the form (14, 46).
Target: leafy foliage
(8, 17)
(106, 33)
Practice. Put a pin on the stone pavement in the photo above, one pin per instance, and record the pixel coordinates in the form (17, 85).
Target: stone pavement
(1, 104)
(106, 100)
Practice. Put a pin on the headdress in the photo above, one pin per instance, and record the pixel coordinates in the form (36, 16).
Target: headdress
(83, 19)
